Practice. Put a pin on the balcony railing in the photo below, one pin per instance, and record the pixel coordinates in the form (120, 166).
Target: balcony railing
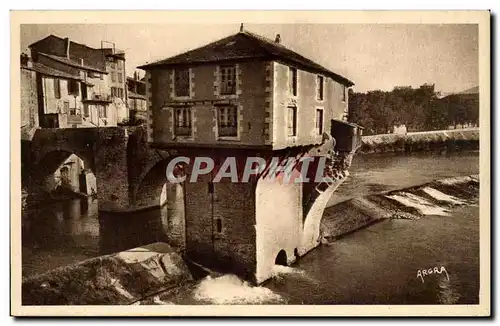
(99, 98)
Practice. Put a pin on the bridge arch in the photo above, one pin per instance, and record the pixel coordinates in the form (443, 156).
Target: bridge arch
(62, 169)
(281, 258)
(153, 188)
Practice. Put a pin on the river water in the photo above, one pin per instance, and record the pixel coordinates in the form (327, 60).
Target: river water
(375, 265)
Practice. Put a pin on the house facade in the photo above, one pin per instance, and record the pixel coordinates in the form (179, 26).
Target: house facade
(77, 86)
(244, 96)
(136, 94)
(249, 99)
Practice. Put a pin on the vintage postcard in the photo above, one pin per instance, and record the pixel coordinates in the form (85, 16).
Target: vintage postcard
(250, 163)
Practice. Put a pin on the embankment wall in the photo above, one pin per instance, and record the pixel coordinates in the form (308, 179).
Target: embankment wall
(439, 140)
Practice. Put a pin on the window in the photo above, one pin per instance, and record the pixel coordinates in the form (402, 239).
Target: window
(292, 121)
(319, 121)
(57, 88)
(227, 80)
(65, 108)
(86, 112)
(227, 121)
(292, 86)
(218, 225)
(344, 90)
(101, 76)
(113, 76)
(182, 121)
(181, 82)
(73, 87)
(119, 65)
(320, 88)
(103, 112)
(120, 77)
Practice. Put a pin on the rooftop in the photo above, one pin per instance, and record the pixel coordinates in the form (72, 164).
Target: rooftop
(72, 63)
(246, 45)
(48, 71)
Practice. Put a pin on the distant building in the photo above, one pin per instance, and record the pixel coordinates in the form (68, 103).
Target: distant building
(77, 86)
(399, 129)
(136, 94)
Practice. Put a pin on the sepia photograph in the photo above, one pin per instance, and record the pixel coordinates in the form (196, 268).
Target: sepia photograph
(200, 163)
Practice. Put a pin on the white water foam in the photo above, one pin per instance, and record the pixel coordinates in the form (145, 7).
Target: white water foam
(280, 270)
(229, 289)
(436, 194)
(423, 206)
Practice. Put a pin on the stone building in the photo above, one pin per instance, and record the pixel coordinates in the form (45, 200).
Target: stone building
(136, 94)
(247, 96)
(77, 86)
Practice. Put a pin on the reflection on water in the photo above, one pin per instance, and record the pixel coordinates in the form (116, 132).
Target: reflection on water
(71, 231)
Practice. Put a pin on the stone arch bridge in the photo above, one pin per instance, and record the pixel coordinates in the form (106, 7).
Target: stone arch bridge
(245, 228)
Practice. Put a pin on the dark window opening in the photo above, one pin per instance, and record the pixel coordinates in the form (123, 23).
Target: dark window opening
(292, 121)
(218, 225)
(84, 91)
(320, 89)
(344, 91)
(181, 82)
(319, 121)
(293, 81)
(73, 87)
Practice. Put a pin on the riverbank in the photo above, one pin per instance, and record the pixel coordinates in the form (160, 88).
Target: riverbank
(123, 278)
(439, 140)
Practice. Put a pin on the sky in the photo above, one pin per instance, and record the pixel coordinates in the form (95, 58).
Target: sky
(373, 56)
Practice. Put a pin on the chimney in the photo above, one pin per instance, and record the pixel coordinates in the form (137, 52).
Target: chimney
(67, 43)
(24, 59)
(277, 39)
(241, 27)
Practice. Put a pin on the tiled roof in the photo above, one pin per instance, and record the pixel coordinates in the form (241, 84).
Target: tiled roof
(72, 63)
(246, 45)
(48, 71)
(131, 79)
